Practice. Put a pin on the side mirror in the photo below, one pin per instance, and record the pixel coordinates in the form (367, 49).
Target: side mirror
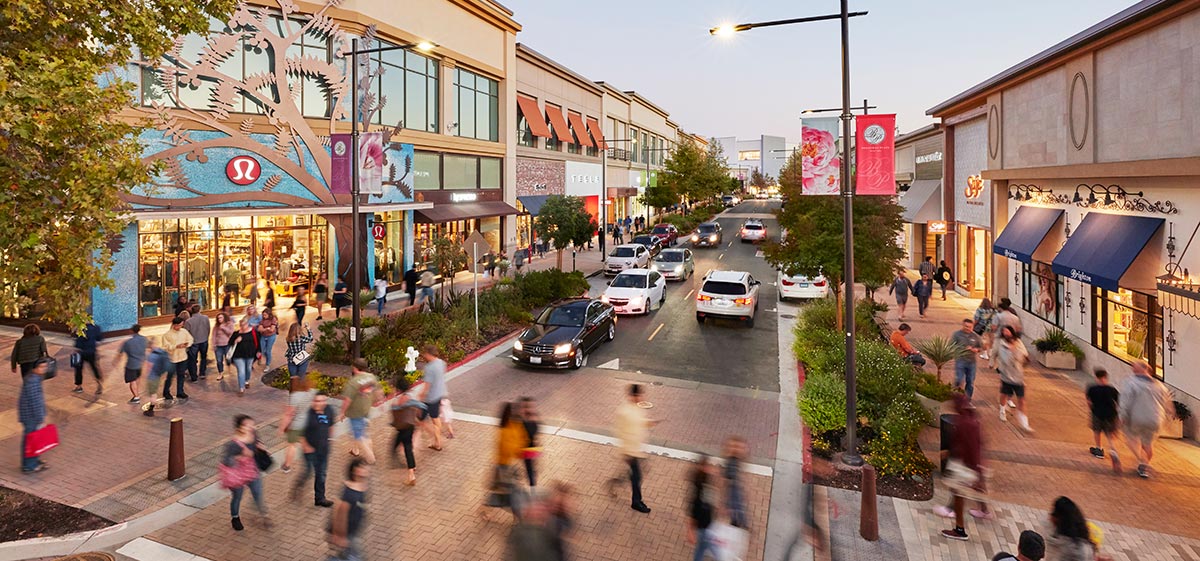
(755, 283)
(608, 283)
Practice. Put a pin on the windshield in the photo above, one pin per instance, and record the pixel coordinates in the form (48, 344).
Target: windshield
(671, 256)
(567, 316)
(707, 229)
(719, 287)
(622, 252)
(661, 230)
(754, 226)
(644, 240)
(727, 198)
(629, 281)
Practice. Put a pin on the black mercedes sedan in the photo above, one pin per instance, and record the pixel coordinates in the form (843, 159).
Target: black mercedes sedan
(565, 333)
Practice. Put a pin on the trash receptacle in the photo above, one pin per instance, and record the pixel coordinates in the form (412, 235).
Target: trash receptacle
(946, 430)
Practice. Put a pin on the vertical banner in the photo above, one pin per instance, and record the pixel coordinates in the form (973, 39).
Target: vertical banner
(875, 155)
(821, 167)
(339, 163)
(370, 157)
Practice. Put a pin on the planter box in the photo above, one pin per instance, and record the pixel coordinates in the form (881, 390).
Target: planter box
(1172, 428)
(934, 408)
(1057, 360)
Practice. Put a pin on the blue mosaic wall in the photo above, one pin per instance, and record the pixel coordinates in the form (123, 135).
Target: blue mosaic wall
(117, 309)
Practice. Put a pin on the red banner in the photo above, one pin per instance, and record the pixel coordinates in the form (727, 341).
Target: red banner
(875, 155)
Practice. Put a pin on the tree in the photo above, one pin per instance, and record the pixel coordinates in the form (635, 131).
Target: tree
(814, 242)
(761, 180)
(564, 222)
(449, 258)
(691, 174)
(65, 156)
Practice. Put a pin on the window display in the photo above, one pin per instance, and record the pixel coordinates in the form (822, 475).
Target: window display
(389, 251)
(1042, 292)
(1128, 325)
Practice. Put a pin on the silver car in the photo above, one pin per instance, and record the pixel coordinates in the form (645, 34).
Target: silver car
(674, 264)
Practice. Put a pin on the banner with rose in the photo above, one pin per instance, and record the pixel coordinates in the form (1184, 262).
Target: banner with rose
(875, 155)
(821, 166)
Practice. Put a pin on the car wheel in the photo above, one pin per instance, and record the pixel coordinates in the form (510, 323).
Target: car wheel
(750, 322)
(699, 319)
(579, 360)
(612, 331)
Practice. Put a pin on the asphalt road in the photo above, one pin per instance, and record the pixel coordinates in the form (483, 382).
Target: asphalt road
(669, 342)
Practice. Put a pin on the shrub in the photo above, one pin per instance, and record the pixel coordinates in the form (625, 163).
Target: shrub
(822, 352)
(894, 450)
(334, 343)
(822, 403)
(939, 350)
(1057, 340)
(539, 288)
(932, 387)
(883, 377)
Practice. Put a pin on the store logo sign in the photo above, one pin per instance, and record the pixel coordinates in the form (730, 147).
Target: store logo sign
(937, 226)
(929, 158)
(243, 170)
(581, 178)
(1081, 276)
(463, 197)
(974, 187)
(1010, 254)
(378, 231)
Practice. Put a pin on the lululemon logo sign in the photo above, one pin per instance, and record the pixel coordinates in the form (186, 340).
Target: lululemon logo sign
(243, 170)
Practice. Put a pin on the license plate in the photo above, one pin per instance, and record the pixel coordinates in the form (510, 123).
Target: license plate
(724, 303)
(803, 285)
(535, 360)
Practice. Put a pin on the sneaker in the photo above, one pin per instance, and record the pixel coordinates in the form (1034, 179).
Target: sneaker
(135, 400)
(642, 508)
(1003, 414)
(237, 524)
(943, 511)
(1023, 421)
(984, 355)
(1097, 452)
(323, 503)
(78, 389)
(1116, 461)
(955, 534)
(1012, 403)
(1143, 471)
(982, 514)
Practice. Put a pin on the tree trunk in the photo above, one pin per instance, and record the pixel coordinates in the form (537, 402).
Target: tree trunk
(560, 252)
(841, 320)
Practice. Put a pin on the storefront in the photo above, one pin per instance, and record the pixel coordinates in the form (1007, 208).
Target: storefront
(583, 180)
(919, 184)
(537, 179)
(467, 197)
(387, 233)
(972, 210)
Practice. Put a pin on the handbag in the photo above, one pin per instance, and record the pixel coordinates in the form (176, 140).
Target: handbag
(76, 359)
(300, 357)
(729, 542)
(237, 475)
(41, 441)
(263, 459)
(51, 368)
(959, 476)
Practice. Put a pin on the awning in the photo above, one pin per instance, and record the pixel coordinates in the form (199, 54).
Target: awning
(1025, 232)
(597, 133)
(463, 211)
(533, 115)
(580, 130)
(533, 203)
(560, 124)
(922, 201)
(1103, 248)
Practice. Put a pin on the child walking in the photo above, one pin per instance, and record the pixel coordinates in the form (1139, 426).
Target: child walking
(1102, 400)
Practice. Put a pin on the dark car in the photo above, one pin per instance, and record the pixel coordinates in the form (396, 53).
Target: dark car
(565, 333)
(666, 233)
(652, 243)
(707, 234)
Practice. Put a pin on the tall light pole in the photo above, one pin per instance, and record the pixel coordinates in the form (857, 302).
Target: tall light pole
(851, 455)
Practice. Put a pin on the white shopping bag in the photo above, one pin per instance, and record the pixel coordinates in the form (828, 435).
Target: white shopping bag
(730, 542)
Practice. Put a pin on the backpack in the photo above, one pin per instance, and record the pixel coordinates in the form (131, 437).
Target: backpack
(405, 417)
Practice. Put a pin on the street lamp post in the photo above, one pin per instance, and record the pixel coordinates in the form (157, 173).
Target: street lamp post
(851, 455)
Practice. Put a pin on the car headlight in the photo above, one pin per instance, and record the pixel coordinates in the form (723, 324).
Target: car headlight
(604, 298)
(712, 238)
(562, 349)
(679, 268)
(517, 346)
(695, 237)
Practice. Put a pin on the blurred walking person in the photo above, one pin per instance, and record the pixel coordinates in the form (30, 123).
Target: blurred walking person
(247, 350)
(1070, 538)
(240, 471)
(983, 325)
(297, 354)
(85, 349)
(427, 282)
(176, 342)
(631, 428)
(1145, 405)
(411, 278)
(435, 376)
(31, 411)
(341, 297)
(1103, 400)
(314, 442)
(530, 420)
(134, 348)
(295, 418)
(28, 349)
(160, 364)
(223, 329)
(199, 327)
(965, 364)
(944, 276)
(923, 290)
(406, 409)
(964, 470)
(702, 509)
(510, 441)
(1011, 357)
(300, 304)
(321, 290)
(360, 393)
(349, 513)
(901, 287)
(268, 332)
(731, 474)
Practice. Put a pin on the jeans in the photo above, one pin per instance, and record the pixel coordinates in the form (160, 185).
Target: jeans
(426, 293)
(235, 502)
(379, 302)
(964, 372)
(300, 311)
(922, 304)
(943, 291)
(198, 352)
(317, 464)
(704, 544)
(245, 367)
(220, 353)
(28, 464)
(179, 372)
(405, 437)
(531, 471)
(297, 370)
(635, 479)
(89, 359)
(267, 344)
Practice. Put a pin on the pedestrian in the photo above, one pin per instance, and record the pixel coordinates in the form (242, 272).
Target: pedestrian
(300, 304)
(616, 234)
(1070, 538)
(411, 278)
(1102, 400)
(226, 299)
(223, 329)
(964, 470)
(631, 428)
(349, 515)
(628, 223)
(519, 259)
(238, 460)
(964, 364)
(134, 348)
(31, 411)
(247, 349)
(269, 300)
(1011, 357)
(926, 267)
(944, 276)
(809, 530)
(360, 393)
(1145, 405)
(341, 297)
(923, 290)
(314, 442)
(268, 332)
(85, 351)
(1030, 547)
(899, 341)
(253, 316)
(295, 415)
(447, 416)
(731, 475)
(321, 290)
(297, 350)
(160, 364)
(510, 441)
(182, 304)
(491, 264)
(702, 508)
(28, 349)
(562, 514)
(530, 420)
(176, 341)
(901, 287)
(199, 327)
(406, 411)
(1007, 317)
(381, 289)
(435, 376)
(983, 325)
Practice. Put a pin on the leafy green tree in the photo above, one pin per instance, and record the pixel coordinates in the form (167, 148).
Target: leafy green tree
(761, 180)
(449, 258)
(564, 222)
(65, 155)
(814, 242)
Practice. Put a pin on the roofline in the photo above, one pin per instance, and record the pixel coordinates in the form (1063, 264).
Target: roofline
(634, 95)
(1124, 18)
(497, 12)
(611, 89)
(536, 57)
(920, 134)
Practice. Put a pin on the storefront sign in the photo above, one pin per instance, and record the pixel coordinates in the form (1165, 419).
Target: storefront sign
(821, 165)
(464, 197)
(974, 187)
(937, 227)
(582, 179)
(243, 170)
(378, 231)
(929, 158)
(972, 193)
(875, 155)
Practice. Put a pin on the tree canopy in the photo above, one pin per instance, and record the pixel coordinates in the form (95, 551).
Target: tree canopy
(564, 222)
(690, 173)
(760, 179)
(65, 156)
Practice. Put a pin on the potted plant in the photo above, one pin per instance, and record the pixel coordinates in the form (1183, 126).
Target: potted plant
(933, 395)
(1056, 350)
(1181, 425)
(940, 350)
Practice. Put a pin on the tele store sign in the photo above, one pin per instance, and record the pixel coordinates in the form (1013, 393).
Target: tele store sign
(243, 170)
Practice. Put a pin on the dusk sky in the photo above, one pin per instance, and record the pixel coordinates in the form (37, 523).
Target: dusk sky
(906, 55)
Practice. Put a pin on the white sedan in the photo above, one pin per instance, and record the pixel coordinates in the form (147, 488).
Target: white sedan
(802, 287)
(636, 291)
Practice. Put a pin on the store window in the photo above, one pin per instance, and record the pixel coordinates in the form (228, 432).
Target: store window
(574, 147)
(410, 82)
(427, 171)
(389, 251)
(462, 172)
(1042, 292)
(524, 132)
(635, 151)
(489, 173)
(594, 150)
(1128, 325)
(478, 105)
(974, 262)
(552, 141)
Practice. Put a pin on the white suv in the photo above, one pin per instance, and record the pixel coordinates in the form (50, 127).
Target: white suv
(728, 294)
(627, 256)
(753, 231)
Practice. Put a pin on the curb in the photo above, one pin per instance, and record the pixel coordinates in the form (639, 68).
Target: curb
(484, 350)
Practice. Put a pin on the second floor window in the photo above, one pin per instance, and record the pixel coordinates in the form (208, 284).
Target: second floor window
(410, 83)
(524, 132)
(478, 99)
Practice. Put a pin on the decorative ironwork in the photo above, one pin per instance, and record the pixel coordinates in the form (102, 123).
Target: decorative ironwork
(1067, 298)
(1117, 198)
(1035, 194)
(1082, 304)
(1171, 340)
(1176, 289)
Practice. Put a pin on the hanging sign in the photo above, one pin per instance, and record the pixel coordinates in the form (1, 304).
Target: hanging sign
(875, 155)
(820, 164)
(339, 164)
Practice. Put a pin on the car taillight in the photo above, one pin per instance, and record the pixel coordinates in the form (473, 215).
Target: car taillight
(743, 301)
(703, 298)
(786, 282)
(819, 283)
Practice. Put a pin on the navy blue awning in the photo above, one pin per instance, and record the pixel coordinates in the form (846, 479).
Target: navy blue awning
(1103, 248)
(533, 203)
(1025, 232)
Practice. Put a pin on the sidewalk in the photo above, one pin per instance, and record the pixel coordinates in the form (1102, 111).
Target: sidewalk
(1141, 519)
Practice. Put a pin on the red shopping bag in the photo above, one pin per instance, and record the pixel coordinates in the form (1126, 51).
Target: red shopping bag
(41, 441)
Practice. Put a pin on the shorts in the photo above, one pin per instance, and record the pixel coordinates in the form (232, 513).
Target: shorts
(1141, 435)
(1012, 389)
(1106, 426)
(132, 374)
(358, 427)
(293, 435)
(321, 297)
(433, 410)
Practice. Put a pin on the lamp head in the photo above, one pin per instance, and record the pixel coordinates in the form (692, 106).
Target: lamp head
(724, 31)
(1077, 198)
(1108, 200)
(1091, 198)
(425, 46)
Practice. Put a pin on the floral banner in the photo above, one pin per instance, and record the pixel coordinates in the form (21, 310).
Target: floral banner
(875, 155)
(821, 167)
